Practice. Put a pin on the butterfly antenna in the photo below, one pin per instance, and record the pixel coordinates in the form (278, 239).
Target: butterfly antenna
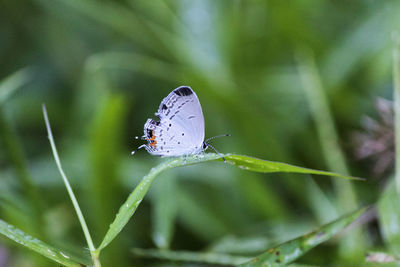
(219, 154)
(211, 138)
(134, 151)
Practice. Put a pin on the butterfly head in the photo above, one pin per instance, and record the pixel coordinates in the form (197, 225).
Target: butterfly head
(206, 145)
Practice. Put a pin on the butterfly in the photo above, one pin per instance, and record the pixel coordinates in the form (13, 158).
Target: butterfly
(180, 128)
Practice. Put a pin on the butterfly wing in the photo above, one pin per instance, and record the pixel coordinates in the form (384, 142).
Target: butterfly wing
(180, 130)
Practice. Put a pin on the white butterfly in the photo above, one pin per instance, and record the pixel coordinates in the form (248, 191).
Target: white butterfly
(180, 129)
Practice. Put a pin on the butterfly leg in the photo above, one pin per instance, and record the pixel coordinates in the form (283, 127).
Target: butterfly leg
(199, 155)
(185, 157)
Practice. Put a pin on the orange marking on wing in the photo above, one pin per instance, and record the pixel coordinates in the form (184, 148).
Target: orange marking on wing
(152, 139)
(154, 143)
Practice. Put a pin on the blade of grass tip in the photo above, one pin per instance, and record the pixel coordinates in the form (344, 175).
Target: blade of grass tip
(266, 166)
(396, 97)
(93, 252)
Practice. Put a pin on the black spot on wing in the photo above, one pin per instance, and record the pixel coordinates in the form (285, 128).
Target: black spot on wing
(183, 91)
(154, 123)
(149, 133)
(164, 107)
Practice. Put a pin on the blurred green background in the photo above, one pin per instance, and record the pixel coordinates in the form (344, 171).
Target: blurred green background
(291, 81)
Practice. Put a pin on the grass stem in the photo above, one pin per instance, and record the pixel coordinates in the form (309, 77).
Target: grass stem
(396, 103)
(329, 141)
(93, 252)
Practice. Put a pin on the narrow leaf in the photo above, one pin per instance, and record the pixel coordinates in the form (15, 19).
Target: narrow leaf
(396, 106)
(388, 205)
(265, 166)
(36, 245)
(291, 250)
(75, 203)
(328, 137)
(201, 257)
(244, 162)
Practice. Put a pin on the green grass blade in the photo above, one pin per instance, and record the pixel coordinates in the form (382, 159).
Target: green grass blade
(333, 154)
(200, 257)
(70, 192)
(388, 205)
(396, 104)
(105, 148)
(36, 245)
(265, 166)
(244, 162)
(292, 250)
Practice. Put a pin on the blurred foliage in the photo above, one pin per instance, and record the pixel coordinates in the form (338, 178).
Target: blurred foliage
(102, 68)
